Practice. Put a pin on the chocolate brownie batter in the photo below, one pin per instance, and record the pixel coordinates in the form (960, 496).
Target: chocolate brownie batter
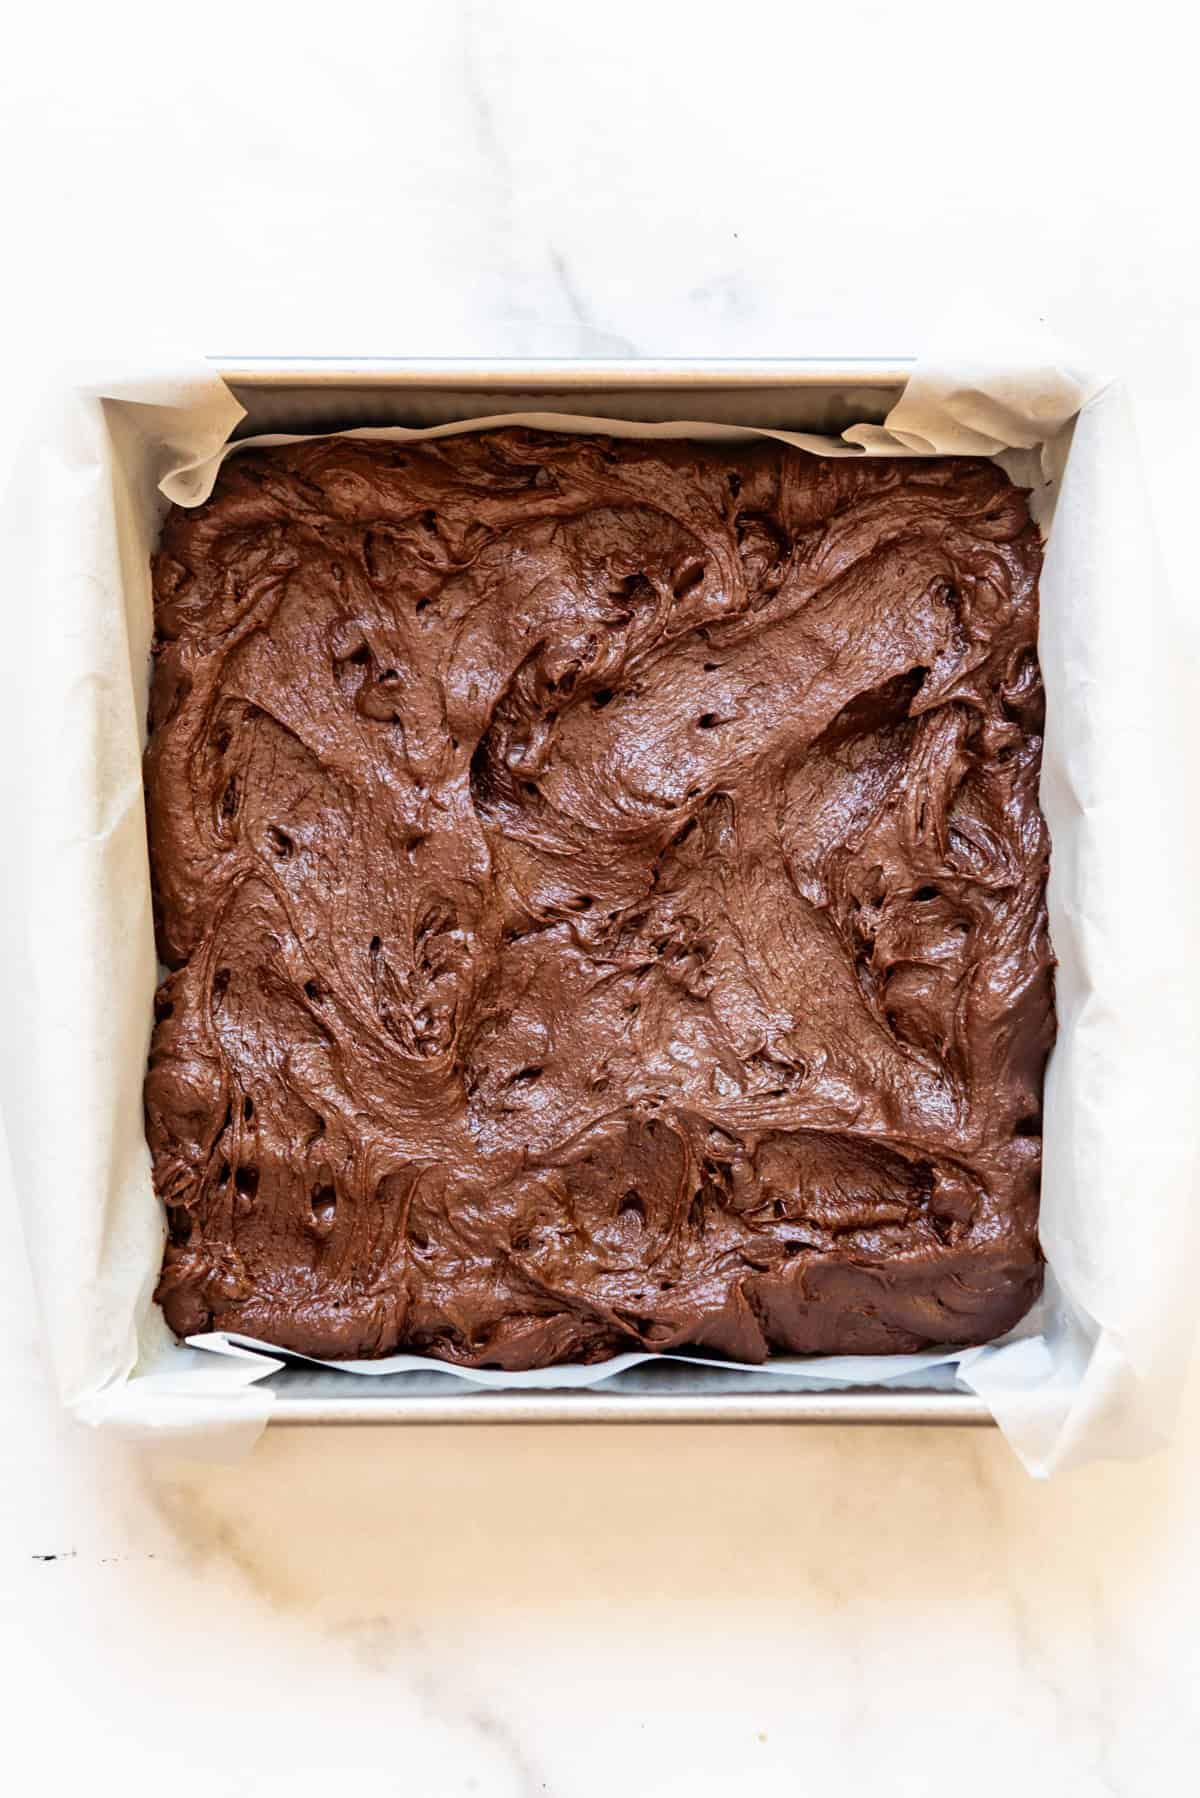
(602, 885)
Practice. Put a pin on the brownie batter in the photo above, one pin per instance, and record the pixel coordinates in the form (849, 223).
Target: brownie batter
(602, 885)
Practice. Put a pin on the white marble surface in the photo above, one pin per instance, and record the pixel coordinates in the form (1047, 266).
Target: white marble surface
(571, 1611)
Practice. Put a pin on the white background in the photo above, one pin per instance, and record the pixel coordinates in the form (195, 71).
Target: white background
(564, 1611)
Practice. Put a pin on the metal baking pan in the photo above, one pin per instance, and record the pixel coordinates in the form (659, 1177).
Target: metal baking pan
(802, 394)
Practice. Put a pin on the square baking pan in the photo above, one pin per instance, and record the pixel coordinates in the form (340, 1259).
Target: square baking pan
(319, 394)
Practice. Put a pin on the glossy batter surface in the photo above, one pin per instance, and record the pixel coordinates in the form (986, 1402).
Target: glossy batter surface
(603, 884)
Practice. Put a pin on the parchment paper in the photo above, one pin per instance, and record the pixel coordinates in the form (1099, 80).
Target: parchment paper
(1095, 1368)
